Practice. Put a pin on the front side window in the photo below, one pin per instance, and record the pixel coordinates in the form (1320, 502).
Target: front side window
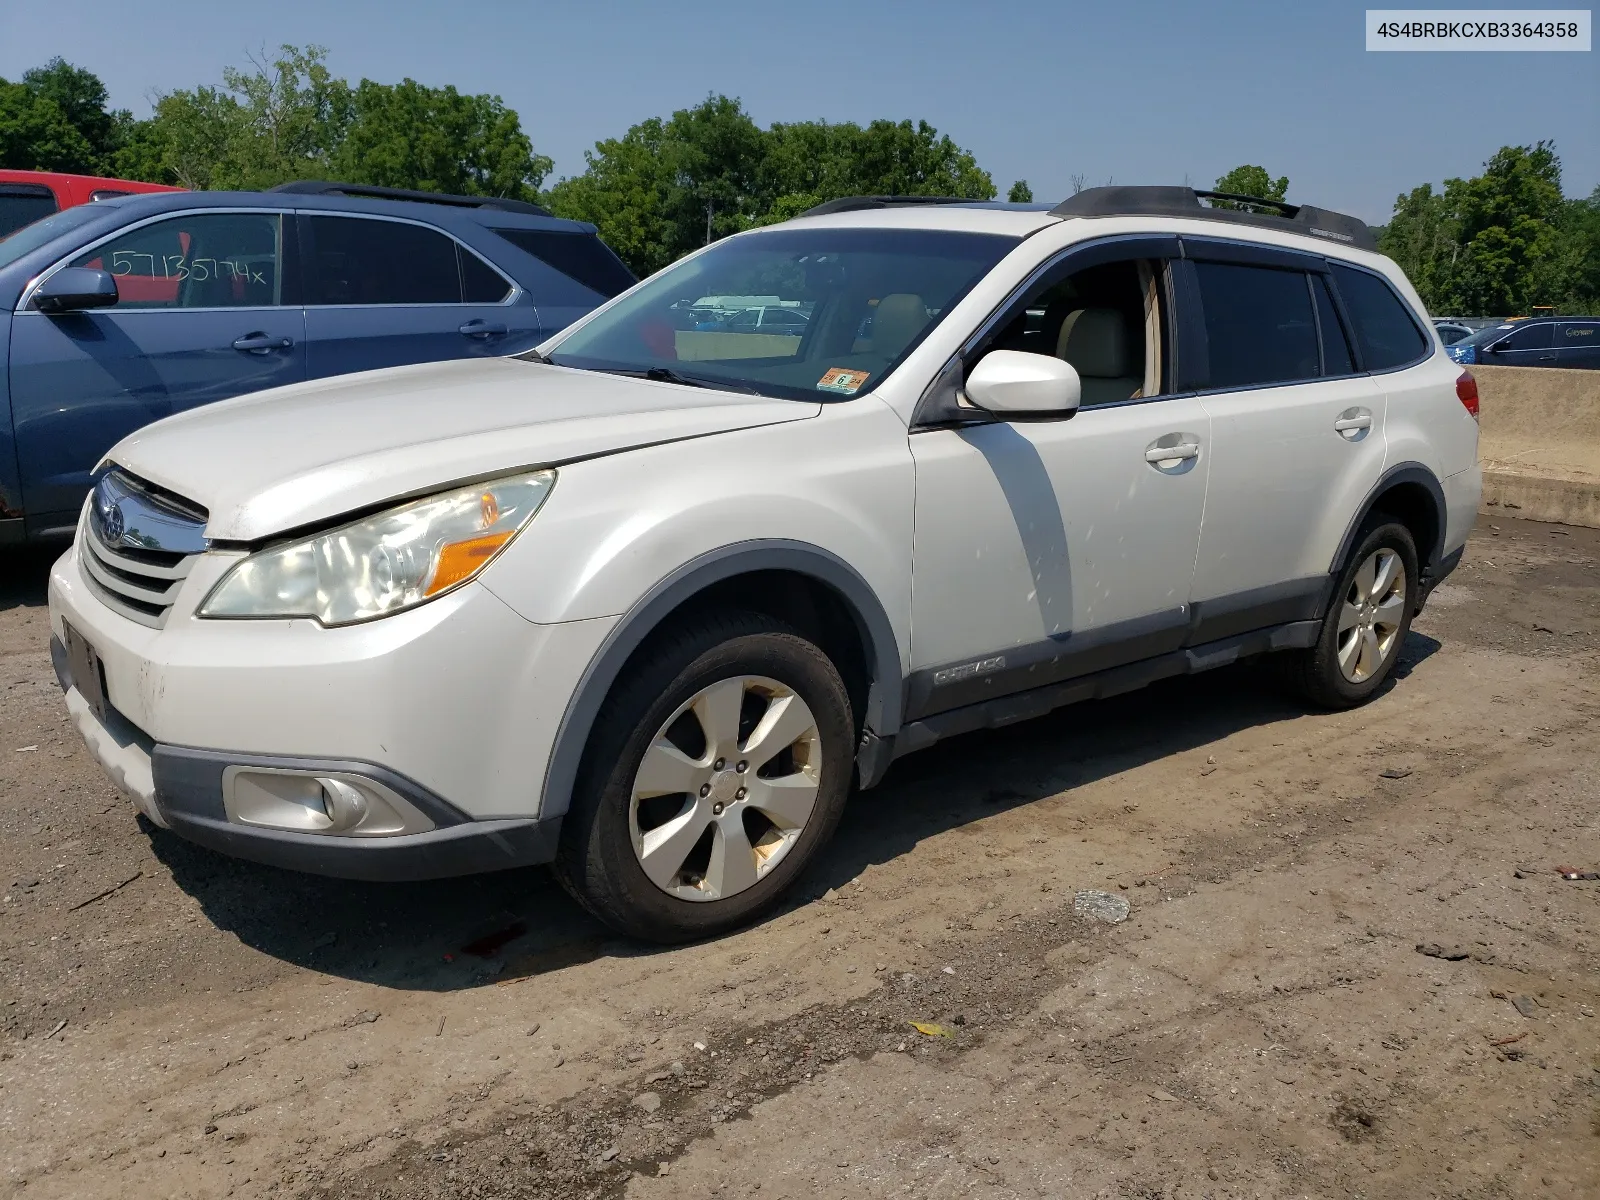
(1259, 325)
(360, 261)
(1104, 320)
(1384, 328)
(1528, 337)
(800, 313)
(204, 260)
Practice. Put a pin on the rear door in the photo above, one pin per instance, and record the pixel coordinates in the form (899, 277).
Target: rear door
(384, 292)
(1297, 435)
(1578, 344)
(206, 310)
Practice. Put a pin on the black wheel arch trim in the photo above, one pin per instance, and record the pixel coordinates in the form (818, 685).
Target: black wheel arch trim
(1400, 473)
(885, 699)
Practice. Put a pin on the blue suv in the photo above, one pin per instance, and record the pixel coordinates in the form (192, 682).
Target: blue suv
(115, 314)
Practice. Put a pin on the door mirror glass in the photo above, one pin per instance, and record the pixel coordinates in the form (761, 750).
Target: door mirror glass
(73, 289)
(1017, 383)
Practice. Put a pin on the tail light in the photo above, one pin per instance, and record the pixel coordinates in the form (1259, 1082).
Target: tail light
(1467, 393)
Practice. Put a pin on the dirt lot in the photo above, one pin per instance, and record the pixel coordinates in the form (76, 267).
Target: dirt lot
(1262, 1024)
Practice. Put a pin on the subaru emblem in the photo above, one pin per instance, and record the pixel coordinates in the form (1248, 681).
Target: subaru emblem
(112, 524)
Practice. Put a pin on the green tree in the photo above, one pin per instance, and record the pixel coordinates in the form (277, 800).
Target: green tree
(669, 186)
(1251, 180)
(1510, 219)
(277, 122)
(81, 97)
(1424, 238)
(436, 139)
(35, 135)
(56, 119)
(1020, 193)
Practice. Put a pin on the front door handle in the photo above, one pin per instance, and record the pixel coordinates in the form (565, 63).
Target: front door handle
(261, 343)
(1178, 452)
(479, 328)
(1353, 423)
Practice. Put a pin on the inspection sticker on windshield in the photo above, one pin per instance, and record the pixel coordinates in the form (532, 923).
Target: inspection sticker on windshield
(840, 379)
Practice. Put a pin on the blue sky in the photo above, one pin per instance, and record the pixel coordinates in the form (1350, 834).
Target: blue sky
(1119, 90)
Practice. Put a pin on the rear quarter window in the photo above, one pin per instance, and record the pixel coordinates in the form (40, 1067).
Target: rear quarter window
(1385, 330)
(579, 256)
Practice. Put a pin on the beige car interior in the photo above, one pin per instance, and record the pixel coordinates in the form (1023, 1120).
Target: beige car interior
(1106, 322)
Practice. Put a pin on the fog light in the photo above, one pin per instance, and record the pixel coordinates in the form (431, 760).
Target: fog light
(308, 802)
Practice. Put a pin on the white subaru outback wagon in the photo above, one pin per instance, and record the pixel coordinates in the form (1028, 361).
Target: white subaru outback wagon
(646, 602)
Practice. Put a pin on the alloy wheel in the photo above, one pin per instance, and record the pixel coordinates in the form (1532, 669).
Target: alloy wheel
(1372, 614)
(725, 788)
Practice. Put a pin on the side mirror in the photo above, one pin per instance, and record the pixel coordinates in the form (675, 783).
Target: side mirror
(1015, 383)
(73, 289)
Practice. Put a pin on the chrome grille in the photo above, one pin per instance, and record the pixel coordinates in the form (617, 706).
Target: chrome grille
(138, 545)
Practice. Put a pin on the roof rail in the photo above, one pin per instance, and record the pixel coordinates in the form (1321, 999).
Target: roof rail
(320, 187)
(1185, 202)
(857, 203)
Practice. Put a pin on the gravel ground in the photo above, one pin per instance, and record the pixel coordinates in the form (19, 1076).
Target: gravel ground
(1263, 1022)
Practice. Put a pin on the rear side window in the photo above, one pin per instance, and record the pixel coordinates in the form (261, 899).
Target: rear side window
(1336, 357)
(480, 283)
(579, 256)
(361, 261)
(1585, 334)
(1259, 324)
(1384, 328)
(23, 204)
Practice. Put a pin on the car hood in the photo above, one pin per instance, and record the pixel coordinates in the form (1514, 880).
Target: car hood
(294, 456)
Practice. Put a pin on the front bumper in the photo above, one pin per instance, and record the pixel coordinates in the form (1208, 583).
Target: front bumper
(454, 706)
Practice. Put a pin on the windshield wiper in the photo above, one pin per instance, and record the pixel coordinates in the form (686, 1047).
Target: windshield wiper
(668, 375)
(534, 356)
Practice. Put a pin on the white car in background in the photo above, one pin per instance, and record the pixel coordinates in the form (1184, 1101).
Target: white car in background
(647, 602)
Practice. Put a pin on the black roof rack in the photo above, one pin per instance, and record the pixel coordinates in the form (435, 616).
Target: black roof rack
(857, 203)
(320, 187)
(1185, 202)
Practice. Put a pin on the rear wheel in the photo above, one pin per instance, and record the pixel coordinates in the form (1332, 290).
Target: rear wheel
(1373, 601)
(717, 769)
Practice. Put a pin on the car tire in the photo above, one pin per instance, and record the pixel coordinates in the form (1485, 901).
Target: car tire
(670, 865)
(1368, 617)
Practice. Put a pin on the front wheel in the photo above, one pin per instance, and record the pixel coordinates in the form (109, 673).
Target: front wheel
(716, 770)
(1368, 619)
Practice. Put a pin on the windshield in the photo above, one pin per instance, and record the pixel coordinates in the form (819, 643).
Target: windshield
(1485, 336)
(798, 313)
(30, 237)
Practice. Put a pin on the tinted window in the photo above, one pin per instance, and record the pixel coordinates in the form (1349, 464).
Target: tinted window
(22, 204)
(1528, 337)
(1385, 331)
(580, 256)
(481, 283)
(1336, 358)
(1579, 334)
(359, 261)
(205, 260)
(1258, 324)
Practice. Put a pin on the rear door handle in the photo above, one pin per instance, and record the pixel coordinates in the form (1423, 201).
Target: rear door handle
(1176, 453)
(479, 328)
(261, 343)
(1352, 424)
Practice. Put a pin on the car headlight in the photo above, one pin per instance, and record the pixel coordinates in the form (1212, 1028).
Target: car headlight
(383, 563)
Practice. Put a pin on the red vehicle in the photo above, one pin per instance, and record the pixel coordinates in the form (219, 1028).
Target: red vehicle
(25, 196)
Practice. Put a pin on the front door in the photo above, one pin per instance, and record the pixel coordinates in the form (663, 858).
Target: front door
(386, 293)
(1047, 550)
(201, 315)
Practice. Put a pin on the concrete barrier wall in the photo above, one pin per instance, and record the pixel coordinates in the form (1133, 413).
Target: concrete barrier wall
(1540, 443)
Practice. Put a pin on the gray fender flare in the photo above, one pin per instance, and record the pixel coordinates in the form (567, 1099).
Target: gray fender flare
(884, 697)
